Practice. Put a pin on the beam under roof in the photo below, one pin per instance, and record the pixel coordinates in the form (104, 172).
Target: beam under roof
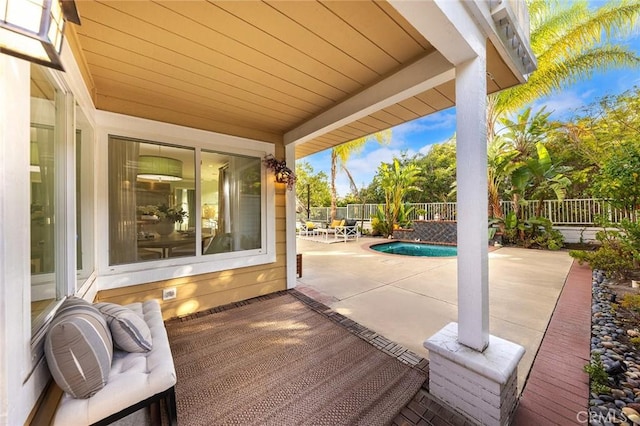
(423, 74)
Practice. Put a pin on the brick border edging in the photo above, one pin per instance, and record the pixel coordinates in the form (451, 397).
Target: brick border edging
(380, 342)
(387, 346)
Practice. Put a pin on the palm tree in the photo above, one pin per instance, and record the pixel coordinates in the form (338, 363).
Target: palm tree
(341, 153)
(570, 41)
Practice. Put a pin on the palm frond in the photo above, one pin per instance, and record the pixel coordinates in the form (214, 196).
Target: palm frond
(606, 22)
(556, 76)
(553, 24)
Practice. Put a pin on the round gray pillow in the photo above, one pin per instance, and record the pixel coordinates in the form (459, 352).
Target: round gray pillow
(79, 348)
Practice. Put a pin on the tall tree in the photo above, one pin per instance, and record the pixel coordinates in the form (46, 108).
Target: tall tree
(438, 173)
(340, 155)
(571, 40)
(619, 179)
(312, 189)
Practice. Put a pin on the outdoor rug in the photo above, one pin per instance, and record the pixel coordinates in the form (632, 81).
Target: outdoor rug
(278, 362)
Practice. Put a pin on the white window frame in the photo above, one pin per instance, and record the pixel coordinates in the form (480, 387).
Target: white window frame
(65, 202)
(115, 276)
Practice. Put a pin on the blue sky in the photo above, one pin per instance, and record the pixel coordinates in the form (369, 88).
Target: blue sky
(420, 134)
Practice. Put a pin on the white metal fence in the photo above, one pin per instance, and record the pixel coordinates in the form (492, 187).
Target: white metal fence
(566, 212)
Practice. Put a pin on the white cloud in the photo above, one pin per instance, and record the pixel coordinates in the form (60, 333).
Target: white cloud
(363, 168)
(564, 104)
(427, 148)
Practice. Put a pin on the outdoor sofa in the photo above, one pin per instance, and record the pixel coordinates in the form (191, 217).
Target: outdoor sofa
(99, 394)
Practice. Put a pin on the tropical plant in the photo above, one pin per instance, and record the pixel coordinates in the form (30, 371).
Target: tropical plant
(570, 40)
(542, 235)
(535, 232)
(500, 165)
(404, 215)
(379, 224)
(547, 178)
(526, 131)
(341, 153)
(396, 181)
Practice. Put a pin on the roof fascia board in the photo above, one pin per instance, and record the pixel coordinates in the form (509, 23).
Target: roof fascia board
(447, 25)
(424, 74)
(509, 39)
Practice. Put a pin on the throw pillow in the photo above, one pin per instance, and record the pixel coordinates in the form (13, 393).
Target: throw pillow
(130, 332)
(310, 225)
(78, 348)
(335, 223)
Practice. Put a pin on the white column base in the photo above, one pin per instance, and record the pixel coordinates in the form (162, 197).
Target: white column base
(480, 385)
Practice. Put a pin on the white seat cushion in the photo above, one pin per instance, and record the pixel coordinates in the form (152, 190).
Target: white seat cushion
(134, 377)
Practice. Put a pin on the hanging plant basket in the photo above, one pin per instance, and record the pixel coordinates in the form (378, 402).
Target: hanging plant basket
(282, 173)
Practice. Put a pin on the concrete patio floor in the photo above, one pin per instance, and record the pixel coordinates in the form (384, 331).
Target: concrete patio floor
(407, 299)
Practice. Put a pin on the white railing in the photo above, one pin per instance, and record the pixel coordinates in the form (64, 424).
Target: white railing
(566, 212)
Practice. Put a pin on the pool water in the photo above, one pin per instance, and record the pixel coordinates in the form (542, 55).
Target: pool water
(415, 249)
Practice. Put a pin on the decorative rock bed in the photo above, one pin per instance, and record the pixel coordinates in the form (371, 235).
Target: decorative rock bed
(622, 362)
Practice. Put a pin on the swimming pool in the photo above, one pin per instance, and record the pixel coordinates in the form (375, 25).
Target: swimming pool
(415, 249)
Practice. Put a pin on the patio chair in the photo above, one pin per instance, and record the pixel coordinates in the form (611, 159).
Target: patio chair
(307, 228)
(347, 230)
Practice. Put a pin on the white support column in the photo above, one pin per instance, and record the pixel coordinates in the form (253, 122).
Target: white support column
(471, 371)
(290, 212)
(471, 156)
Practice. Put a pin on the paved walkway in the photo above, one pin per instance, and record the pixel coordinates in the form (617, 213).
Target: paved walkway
(557, 390)
(407, 299)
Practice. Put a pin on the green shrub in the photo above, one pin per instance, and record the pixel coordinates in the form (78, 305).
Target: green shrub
(598, 375)
(631, 302)
(539, 232)
(550, 239)
(613, 258)
(379, 227)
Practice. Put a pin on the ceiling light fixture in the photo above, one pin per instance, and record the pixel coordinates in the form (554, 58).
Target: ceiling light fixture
(34, 29)
(159, 168)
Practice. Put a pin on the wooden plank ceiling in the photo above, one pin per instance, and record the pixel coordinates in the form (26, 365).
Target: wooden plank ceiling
(253, 69)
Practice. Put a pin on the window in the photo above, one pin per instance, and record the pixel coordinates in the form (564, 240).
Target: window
(47, 141)
(147, 183)
(85, 204)
(231, 202)
(161, 207)
(60, 238)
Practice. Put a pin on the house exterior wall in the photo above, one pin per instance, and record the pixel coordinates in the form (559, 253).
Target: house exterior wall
(23, 370)
(205, 291)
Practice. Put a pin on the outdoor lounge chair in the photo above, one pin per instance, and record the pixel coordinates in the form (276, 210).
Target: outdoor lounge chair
(343, 229)
(349, 230)
(307, 228)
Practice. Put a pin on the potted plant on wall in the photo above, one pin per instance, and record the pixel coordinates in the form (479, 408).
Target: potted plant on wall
(283, 174)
